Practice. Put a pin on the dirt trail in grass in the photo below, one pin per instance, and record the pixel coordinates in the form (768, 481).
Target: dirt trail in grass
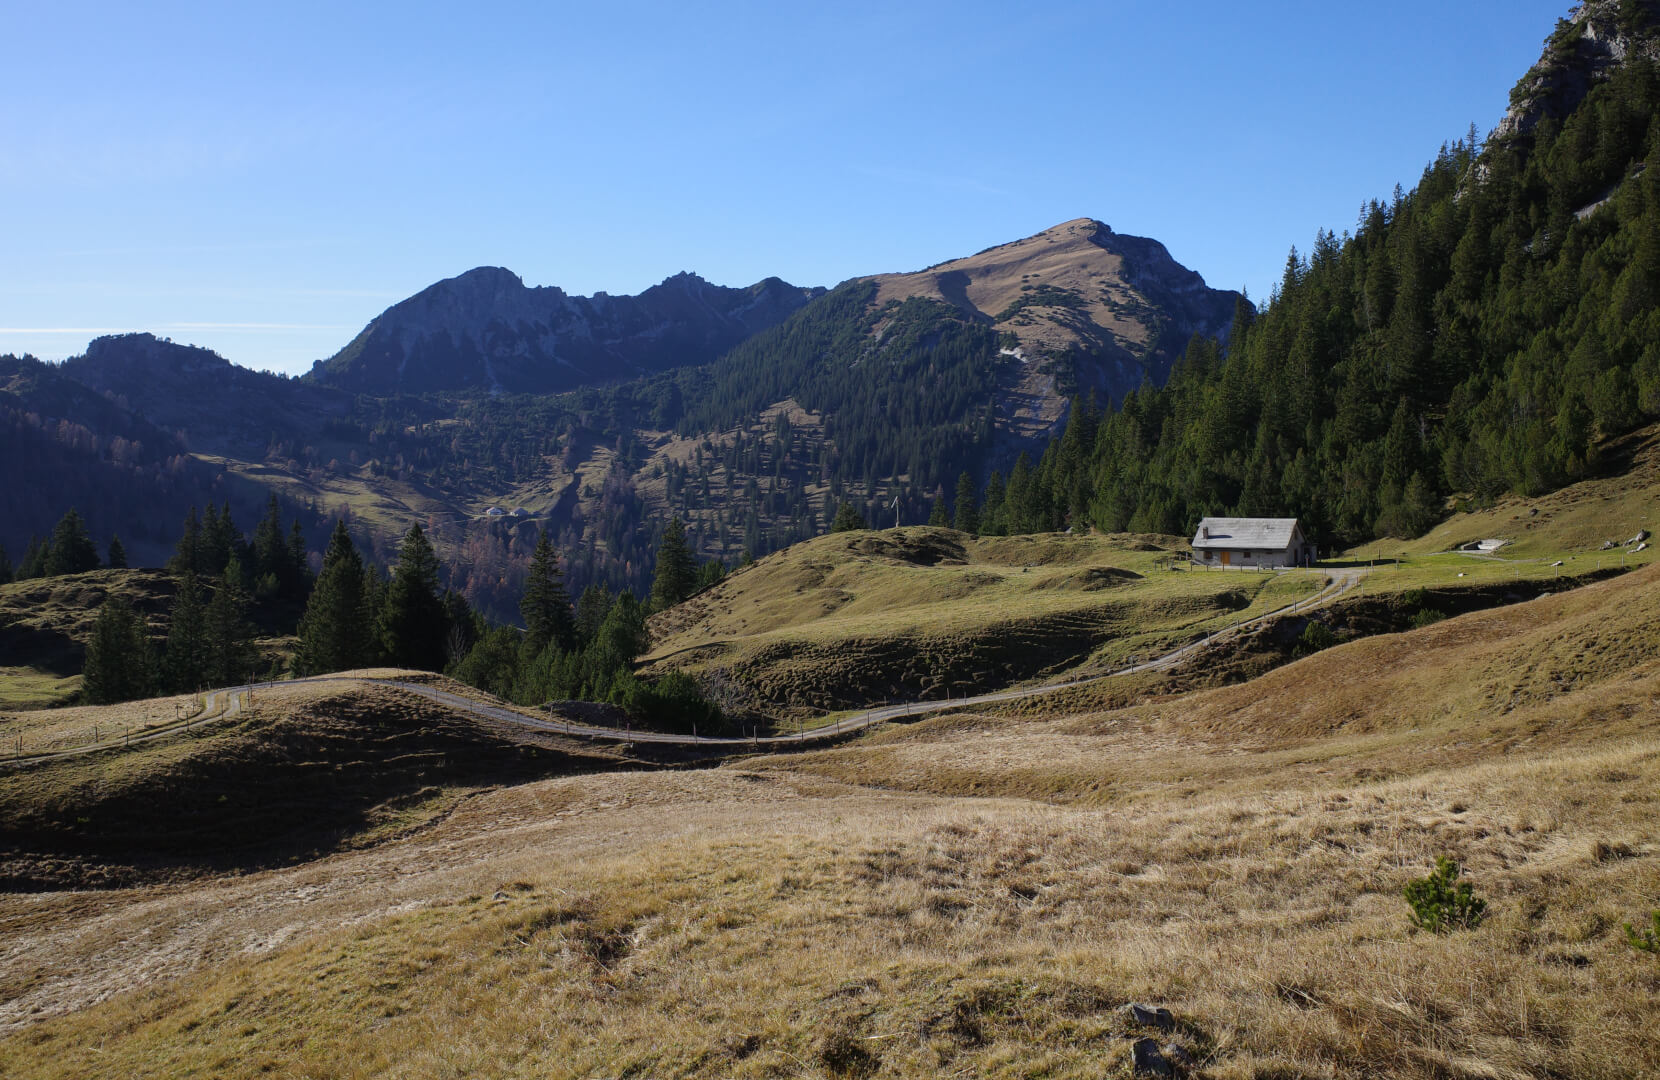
(227, 703)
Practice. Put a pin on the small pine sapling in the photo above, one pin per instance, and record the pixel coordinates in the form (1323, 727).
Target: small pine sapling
(1441, 903)
(1645, 940)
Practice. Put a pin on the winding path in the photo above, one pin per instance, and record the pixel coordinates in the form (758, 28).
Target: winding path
(226, 703)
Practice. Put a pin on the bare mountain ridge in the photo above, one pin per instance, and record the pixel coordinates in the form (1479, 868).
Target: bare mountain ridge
(486, 330)
(1081, 307)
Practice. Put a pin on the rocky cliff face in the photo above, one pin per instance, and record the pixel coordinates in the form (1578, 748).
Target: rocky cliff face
(486, 331)
(1596, 37)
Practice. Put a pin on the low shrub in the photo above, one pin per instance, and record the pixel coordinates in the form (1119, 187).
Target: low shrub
(1645, 940)
(1441, 903)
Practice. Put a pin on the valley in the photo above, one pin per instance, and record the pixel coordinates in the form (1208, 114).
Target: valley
(820, 681)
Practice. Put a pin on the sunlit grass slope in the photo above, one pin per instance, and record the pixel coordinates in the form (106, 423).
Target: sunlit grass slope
(858, 616)
(977, 895)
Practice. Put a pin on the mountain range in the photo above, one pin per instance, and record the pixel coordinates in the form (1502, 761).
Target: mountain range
(480, 391)
(1487, 331)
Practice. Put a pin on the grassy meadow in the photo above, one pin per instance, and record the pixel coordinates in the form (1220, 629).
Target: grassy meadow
(978, 894)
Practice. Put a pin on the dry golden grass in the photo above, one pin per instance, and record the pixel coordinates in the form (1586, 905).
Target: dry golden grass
(1574, 520)
(1236, 855)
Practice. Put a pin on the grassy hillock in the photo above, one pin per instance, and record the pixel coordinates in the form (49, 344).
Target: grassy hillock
(922, 613)
(45, 624)
(303, 769)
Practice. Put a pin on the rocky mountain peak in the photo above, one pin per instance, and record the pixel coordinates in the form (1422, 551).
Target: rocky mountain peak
(1596, 37)
(486, 330)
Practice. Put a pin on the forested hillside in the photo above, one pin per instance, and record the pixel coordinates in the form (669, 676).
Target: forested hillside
(1479, 334)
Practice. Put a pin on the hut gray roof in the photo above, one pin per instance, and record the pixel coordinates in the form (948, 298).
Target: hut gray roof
(1267, 534)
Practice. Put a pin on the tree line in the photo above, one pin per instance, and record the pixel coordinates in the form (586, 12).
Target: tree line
(1488, 332)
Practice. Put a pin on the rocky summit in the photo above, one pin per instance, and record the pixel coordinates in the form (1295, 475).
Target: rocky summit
(485, 330)
(1080, 307)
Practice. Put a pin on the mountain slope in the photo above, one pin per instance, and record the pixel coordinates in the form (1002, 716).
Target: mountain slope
(1118, 309)
(1487, 333)
(485, 330)
(223, 406)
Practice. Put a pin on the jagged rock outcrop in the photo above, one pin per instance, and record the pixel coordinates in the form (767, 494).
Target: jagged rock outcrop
(1596, 37)
(486, 330)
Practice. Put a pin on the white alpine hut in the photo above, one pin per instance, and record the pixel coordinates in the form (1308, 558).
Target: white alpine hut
(1251, 543)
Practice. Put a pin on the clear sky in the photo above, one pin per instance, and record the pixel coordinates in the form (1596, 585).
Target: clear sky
(263, 179)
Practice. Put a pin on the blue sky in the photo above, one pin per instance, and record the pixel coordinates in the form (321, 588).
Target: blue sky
(263, 180)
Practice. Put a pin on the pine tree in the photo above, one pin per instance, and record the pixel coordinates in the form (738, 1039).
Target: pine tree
(220, 541)
(333, 633)
(412, 622)
(676, 569)
(269, 554)
(34, 560)
(968, 515)
(72, 550)
(937, 517)
(118, 660)
(590, 613)
(546, 606)
(229, 638)
(847, 518)
(993, 519)
(117, 554)
(466, 627)
(185, 659)
(299, 565)
(5, 567)
(187, 555)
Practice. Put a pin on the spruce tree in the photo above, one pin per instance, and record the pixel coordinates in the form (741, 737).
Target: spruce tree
(333, 633)
(72, 550)
(187, 554)
(412, 622)
(299, 566)
(992, 518)
(546, 606)
(185, 659)
(968, 514)
(220, 541)
(118, 554)
(34, 560)
(118, 660)
(5, 567)
(590, 613)
(937, 517)
(273, 564)
(229, 637)
(676, 569)
(847, 518)
(375, 590)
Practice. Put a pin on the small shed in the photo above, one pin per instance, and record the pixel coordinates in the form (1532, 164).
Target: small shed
(1251, 543)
